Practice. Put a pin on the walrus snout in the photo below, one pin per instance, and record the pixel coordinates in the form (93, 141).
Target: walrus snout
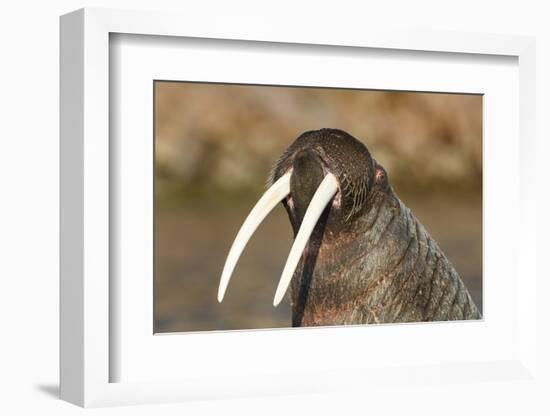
(308, 171)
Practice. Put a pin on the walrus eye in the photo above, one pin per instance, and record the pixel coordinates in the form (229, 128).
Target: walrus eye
(276, 193)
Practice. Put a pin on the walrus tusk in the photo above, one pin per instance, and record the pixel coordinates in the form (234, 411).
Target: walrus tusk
(323, 195)
(275, 194)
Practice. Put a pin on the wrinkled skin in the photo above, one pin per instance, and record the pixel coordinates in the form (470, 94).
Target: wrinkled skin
(369, 260)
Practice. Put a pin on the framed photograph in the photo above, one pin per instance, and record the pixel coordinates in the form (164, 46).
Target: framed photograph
(281, 212)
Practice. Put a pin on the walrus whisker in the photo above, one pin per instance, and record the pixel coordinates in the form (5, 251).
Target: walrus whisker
(275, 194)
(322, 197)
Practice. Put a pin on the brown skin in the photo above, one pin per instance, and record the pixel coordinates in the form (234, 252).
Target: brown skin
(369, 260)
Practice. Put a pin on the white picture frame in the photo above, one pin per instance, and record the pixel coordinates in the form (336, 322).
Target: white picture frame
(88, 296)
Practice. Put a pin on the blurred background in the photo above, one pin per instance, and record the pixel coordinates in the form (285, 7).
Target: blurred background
(214, 147)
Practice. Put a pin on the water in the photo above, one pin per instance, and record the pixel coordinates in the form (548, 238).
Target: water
(192, 240)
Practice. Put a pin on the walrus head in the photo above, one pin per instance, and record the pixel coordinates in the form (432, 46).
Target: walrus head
(326, 180)
(317, 154)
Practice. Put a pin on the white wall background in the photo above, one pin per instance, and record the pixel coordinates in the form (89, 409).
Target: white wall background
(29, 99)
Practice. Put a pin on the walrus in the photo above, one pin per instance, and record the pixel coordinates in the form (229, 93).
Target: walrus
(359, 255)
